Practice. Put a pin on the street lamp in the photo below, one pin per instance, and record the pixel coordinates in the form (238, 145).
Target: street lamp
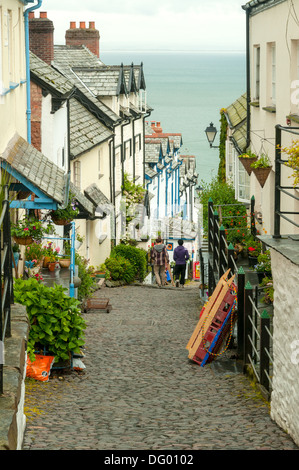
(211, 132)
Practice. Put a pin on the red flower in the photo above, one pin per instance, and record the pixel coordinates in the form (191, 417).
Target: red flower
(251, 249)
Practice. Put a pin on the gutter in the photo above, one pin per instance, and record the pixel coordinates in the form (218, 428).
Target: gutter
(28, 110)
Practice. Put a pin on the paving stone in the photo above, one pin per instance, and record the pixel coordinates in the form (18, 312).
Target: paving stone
(140, 391)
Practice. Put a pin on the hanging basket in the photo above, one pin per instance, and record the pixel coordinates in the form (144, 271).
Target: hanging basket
(23, 240)
(246, 162)
(61, 221)
(262, 174)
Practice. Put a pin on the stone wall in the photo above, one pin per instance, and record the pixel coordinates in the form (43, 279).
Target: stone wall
(12, 418)
(285, 395)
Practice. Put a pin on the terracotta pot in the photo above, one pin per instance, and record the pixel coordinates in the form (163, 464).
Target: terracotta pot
(23, 240)
(65, 263)
(46, 261)
(246, 162)
(262, 174)
(51, 266)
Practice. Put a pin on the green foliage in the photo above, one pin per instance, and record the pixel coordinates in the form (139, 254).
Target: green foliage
(262, 162)
(119, 268)
(69, 212)
(264, 262)
(232, 213)
(136, 256)
(55, 319)
(30, 227)
(86, 287)
(222, 144)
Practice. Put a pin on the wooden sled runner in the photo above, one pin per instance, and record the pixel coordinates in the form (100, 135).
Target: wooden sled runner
(215, 322)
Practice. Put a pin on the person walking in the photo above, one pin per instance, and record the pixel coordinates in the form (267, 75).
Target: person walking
(180, 256)
(160, 259)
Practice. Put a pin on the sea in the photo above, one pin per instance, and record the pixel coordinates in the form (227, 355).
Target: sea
(187, 90)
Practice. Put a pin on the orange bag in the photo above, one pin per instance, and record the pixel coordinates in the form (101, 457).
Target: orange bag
(40, 368)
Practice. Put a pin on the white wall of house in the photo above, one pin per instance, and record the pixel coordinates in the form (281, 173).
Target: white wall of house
(275, 32)
(12, 72)
(285, 395)
(93, 168)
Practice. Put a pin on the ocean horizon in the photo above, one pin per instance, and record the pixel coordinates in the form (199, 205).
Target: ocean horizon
(187, 90)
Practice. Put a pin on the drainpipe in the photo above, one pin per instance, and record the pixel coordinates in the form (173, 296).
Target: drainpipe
(28, 111)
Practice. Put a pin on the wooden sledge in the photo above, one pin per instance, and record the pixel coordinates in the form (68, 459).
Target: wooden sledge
(223, 286)
(98, 303)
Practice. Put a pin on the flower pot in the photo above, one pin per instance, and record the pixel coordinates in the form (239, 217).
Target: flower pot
(65, 262)
(262, 274)
(252, 260)
(246, 162)
(61, 221)
(262, 174)
(46, 261)
(78, 244)
(23, 240)
(51, 266)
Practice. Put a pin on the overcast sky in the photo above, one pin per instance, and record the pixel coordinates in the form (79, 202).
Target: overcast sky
(162, 24)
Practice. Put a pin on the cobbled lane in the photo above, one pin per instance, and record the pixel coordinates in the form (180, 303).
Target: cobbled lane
(139, 390)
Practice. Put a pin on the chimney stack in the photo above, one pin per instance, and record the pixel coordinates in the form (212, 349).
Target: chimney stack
(82, 36)
(41, 36)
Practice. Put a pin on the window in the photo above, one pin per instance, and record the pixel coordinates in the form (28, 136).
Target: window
(77, 174)
(257, 72)
(99, 164)
(127, 149)
(273, 74)
(242, 182)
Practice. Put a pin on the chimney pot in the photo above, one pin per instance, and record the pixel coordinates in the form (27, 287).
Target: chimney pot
(91, 25)
(73, 25)
(43, 14)
(31, 15)
(82, 24)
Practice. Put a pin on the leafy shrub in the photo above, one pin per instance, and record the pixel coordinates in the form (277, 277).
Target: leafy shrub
(233, 214)
(85, 288)
(136, 256)
(55, 319)
(119, 269)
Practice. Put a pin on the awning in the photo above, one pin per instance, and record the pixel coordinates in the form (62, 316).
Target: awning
(35, 173)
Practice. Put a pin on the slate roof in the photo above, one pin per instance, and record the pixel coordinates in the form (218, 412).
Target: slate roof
(66, 57)
(236, 115)
(49, 78)
(85, 204)
(153, 151)
(36, 168)
(237, 111)
(86, 131)
(97, 197)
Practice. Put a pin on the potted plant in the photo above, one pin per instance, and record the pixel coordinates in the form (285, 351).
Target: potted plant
(267, 284)
(34, 255)
(253, 248)
(79, 241)
(66, 215)
(50, 255)
(28, 229)
(247, 159)
(293, 160)
(53, 258)
(263, 266)
(65, 260)
(261, 168)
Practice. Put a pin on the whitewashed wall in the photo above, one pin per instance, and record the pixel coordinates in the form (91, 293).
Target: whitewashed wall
(285, 395)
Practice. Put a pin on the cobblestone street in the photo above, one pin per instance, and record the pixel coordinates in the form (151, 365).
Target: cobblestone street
(139, 390)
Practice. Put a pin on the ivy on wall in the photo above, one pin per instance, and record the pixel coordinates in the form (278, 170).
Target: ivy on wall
(222, 140)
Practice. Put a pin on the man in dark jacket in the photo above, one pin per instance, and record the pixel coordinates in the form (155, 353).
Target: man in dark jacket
(180, 256)
(160, 258)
